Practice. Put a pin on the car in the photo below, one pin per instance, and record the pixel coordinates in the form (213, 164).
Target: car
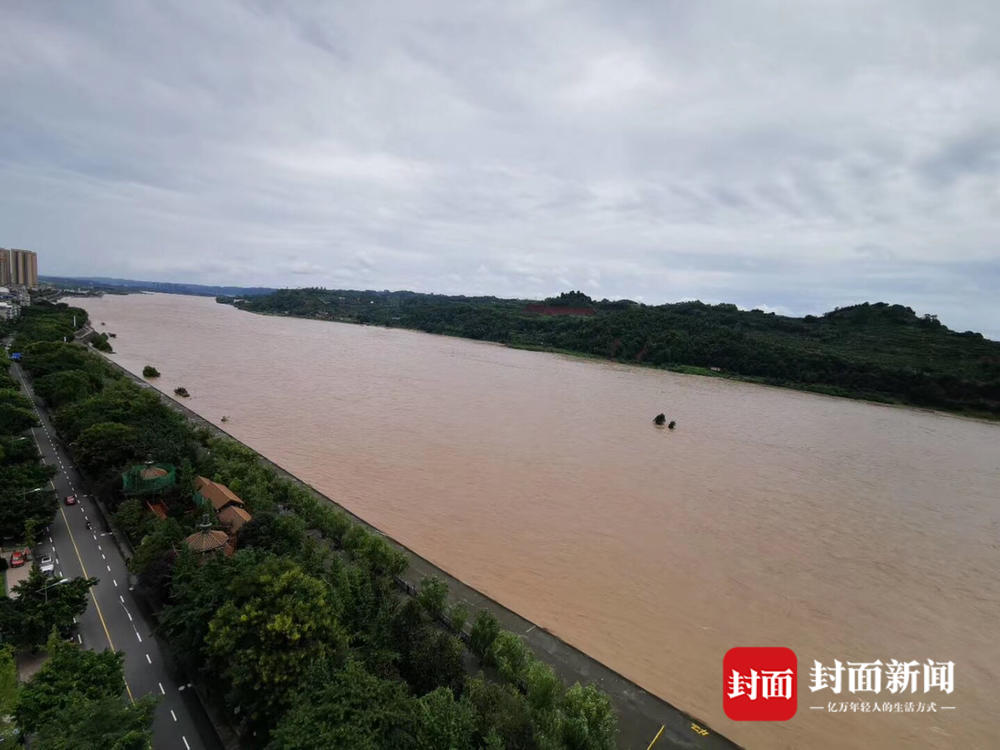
(47, 565)
(70, 499)
(17, 559)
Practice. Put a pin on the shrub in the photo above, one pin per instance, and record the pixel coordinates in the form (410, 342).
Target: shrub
(433, 596)
(150, 372)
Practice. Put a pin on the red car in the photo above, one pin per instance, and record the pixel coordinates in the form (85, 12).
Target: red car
(17, 559)
(70, 499)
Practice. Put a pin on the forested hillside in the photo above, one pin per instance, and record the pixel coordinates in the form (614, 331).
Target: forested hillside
(876, 351)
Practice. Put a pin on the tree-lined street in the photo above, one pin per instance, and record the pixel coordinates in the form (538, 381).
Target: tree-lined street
(82, 545)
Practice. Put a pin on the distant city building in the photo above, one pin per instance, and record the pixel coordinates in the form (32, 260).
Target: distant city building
(24, 268)
(4, 267)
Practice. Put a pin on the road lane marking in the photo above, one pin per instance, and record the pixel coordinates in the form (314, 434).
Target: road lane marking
(186, 742)
(115, 582)
(103, 556)
(172, 714)
(162, 691)
(122, 598)
(108, 567)
(93, 596)
(148, 660)
(138, 636)
(79, 638)
(650, 745)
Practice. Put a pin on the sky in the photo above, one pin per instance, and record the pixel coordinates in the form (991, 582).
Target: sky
(792, 156)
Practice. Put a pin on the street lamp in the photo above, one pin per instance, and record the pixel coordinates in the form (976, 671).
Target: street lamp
(31, 492)
(60, 582)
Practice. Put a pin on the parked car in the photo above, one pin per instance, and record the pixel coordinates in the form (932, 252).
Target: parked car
(70, 499)
(47, 565)
(17, 559)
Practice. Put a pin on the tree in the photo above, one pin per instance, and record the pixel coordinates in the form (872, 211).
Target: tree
(16, 419)
(484, 631)
(433, 596)
(445, 722)
(510, 656)
(104, 724)
(589, 719)
(9, 695)
(67, 386)
(75, 701)
(353, 710)
(43, 604)
(104, 446)
(159, 543)
(25, 498)
(278, 622)
(69, 675)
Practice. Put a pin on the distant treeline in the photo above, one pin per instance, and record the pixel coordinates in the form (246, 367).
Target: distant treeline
(124, 286)
(878, 351)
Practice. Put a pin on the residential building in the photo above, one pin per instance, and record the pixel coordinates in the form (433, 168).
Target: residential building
(4, 267)
(24, 268)
(9, 310)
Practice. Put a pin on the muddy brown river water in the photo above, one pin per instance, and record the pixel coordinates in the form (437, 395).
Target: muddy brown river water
(841, 529)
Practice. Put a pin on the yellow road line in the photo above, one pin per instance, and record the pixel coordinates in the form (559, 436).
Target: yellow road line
(650, 745)
(94, 597)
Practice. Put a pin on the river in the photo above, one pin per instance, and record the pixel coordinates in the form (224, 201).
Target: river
(841, 529)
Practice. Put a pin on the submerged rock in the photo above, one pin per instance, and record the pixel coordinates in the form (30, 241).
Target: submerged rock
(660, 419)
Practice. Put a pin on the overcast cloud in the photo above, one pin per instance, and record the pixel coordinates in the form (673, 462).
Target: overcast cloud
(790, 155)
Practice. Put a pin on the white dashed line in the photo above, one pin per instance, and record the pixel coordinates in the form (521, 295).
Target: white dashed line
(115, 582)
(138, 636)
(162, 691)
(122, 598)
(173, 715)
(148, 660)
(79, 639)
(103, 556)
(129, 614)
(185, 742)
(108, 567)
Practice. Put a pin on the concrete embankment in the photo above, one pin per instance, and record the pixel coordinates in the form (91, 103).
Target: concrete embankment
(641, 714)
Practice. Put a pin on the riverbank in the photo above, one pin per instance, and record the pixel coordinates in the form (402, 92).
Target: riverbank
(641, 714)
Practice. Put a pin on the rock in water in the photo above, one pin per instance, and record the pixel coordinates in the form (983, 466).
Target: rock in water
(660, 418)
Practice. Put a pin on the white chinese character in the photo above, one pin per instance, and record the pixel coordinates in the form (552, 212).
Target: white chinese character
(864, 677)
(739, 682)
(826, 677)
(939, 674)
(776, 684)
(900, 674)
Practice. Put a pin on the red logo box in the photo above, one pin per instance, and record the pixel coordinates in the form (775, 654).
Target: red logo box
(760, 684)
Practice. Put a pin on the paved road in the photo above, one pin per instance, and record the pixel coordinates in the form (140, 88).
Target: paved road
(113, 620)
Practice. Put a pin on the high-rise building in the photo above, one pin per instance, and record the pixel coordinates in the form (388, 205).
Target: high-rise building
(4, 267)
(24, 268)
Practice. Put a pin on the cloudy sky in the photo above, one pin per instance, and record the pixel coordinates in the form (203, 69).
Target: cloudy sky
(789, 155)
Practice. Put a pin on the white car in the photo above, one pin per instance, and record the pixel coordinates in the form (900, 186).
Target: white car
(46, 565)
